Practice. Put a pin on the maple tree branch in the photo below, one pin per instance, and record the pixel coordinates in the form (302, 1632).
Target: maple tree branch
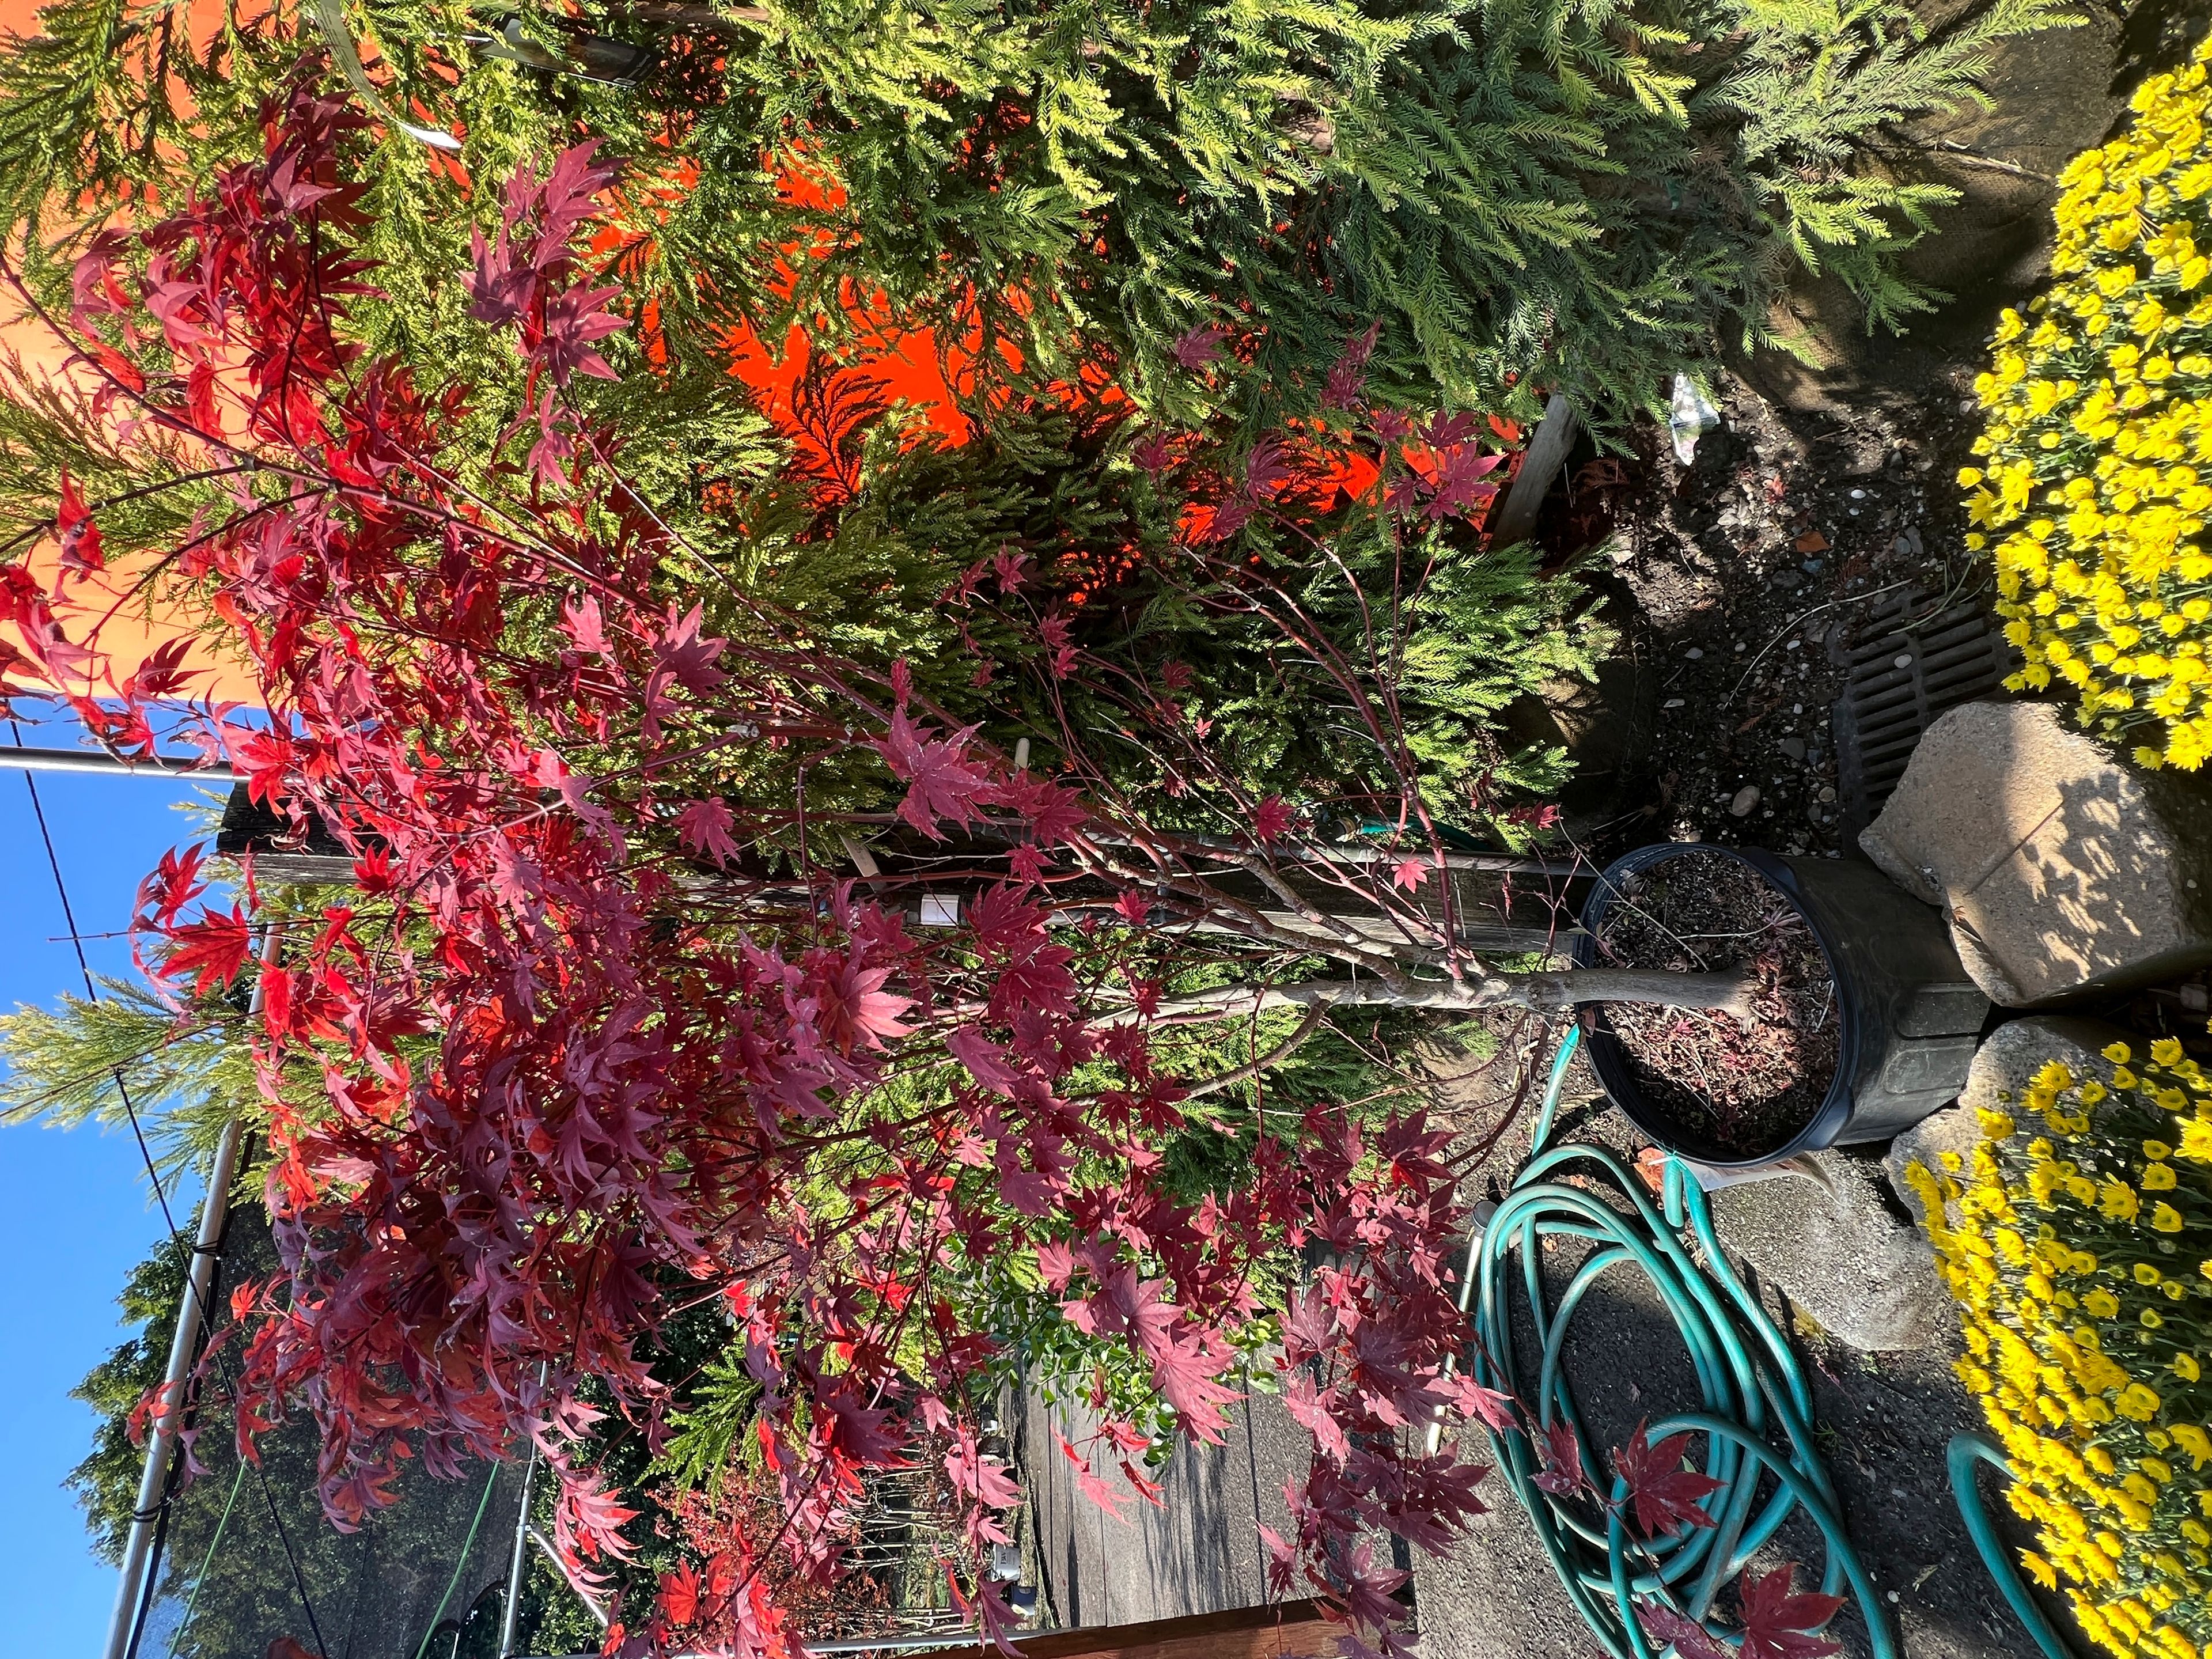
(1275, 1056)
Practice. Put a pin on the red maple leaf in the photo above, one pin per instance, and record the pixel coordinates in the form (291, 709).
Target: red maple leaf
(1154, 452)
(1345, 384)
(1272, 819)
(583, 623)
(852, 1009)
(984, 1479)
(573, 321)
(986, 1061)
(704, 827)
(1666, 1494)
(1227, 520)
(80, 535)
(1312, 1409)
(174, 883)
(1462, 472)
(499, 290)
(588, 1520)
(1198, 346)
(941, 786)
(1267, 466)
(1778, 1624)
(686, 658)
(570, 187)
(1054, 814)
(1410, 872)
(214, 950)
(1184, 1373)
(162, 674)
(868, 1435)
(679, 1594)
(1690, 1639)
(1086, 1479)
(1563, 1475)
(1308, 1326)
(1470, 1399)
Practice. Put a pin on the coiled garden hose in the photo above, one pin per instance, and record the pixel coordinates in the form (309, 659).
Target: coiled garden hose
(1758, 1410)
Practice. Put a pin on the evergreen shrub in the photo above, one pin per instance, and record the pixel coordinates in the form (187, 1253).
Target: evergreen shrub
(1524, 194)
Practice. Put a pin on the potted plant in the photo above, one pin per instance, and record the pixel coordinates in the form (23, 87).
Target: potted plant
(1864, 1021)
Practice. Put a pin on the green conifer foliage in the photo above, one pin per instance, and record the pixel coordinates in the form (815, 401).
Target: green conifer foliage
(1523, 192)
(1527, 193)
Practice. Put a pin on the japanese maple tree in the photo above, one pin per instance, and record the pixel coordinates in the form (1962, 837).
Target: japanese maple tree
(615, 1023)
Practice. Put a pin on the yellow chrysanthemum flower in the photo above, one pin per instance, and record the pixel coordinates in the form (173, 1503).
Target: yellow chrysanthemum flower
(2077, 1223)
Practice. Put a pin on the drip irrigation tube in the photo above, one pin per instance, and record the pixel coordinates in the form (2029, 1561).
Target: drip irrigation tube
(1756, 1420)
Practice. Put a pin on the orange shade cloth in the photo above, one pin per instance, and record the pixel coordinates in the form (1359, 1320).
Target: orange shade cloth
(134, 631)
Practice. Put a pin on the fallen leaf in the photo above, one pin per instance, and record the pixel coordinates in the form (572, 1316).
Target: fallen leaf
(1812, 542)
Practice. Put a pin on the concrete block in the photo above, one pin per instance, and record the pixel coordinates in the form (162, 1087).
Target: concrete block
(2062, 872)
(1832, 1237)
(2003, 1066)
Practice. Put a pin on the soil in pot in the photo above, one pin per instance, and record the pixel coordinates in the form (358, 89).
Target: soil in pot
(1737, 1092)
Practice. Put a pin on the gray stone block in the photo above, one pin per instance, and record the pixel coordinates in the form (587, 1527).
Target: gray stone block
(2003, 1066)
(1832, 1237)
(2062, 872)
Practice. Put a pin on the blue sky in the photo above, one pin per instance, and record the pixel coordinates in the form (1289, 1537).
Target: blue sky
(75, 1213)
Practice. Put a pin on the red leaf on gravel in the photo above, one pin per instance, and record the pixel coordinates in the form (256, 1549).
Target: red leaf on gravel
(1778, 1624)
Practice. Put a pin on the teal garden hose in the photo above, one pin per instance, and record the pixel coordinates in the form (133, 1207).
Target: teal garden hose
(1966, 1451)
(1757, 1419)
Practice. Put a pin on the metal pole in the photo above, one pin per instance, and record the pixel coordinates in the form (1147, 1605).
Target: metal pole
(553, 1560)
(92, 760)
(161, 1441)
(511, 1617)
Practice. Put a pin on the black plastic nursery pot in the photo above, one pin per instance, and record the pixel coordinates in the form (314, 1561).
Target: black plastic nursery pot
(1910, 1017)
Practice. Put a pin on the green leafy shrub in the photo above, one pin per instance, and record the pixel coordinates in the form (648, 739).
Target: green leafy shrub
(1523, 194)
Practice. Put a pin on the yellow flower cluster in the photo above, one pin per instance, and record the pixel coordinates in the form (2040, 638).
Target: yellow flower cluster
(2082, 1261)
(2096, 488)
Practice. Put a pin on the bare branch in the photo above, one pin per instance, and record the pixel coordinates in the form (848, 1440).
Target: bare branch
(1275, 1056)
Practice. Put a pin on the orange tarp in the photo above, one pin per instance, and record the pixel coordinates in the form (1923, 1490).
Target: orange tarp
(134, 632)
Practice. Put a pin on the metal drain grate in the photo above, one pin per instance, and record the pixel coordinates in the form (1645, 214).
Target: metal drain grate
(1904, 667)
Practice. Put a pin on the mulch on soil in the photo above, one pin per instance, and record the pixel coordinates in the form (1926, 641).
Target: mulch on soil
(1737, 1092)
(1738, 580)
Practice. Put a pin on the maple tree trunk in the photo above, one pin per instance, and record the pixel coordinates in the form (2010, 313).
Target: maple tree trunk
(1560, 992)
(1542, 993)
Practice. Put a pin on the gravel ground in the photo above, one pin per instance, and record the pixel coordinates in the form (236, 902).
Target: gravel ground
(1737, 580)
